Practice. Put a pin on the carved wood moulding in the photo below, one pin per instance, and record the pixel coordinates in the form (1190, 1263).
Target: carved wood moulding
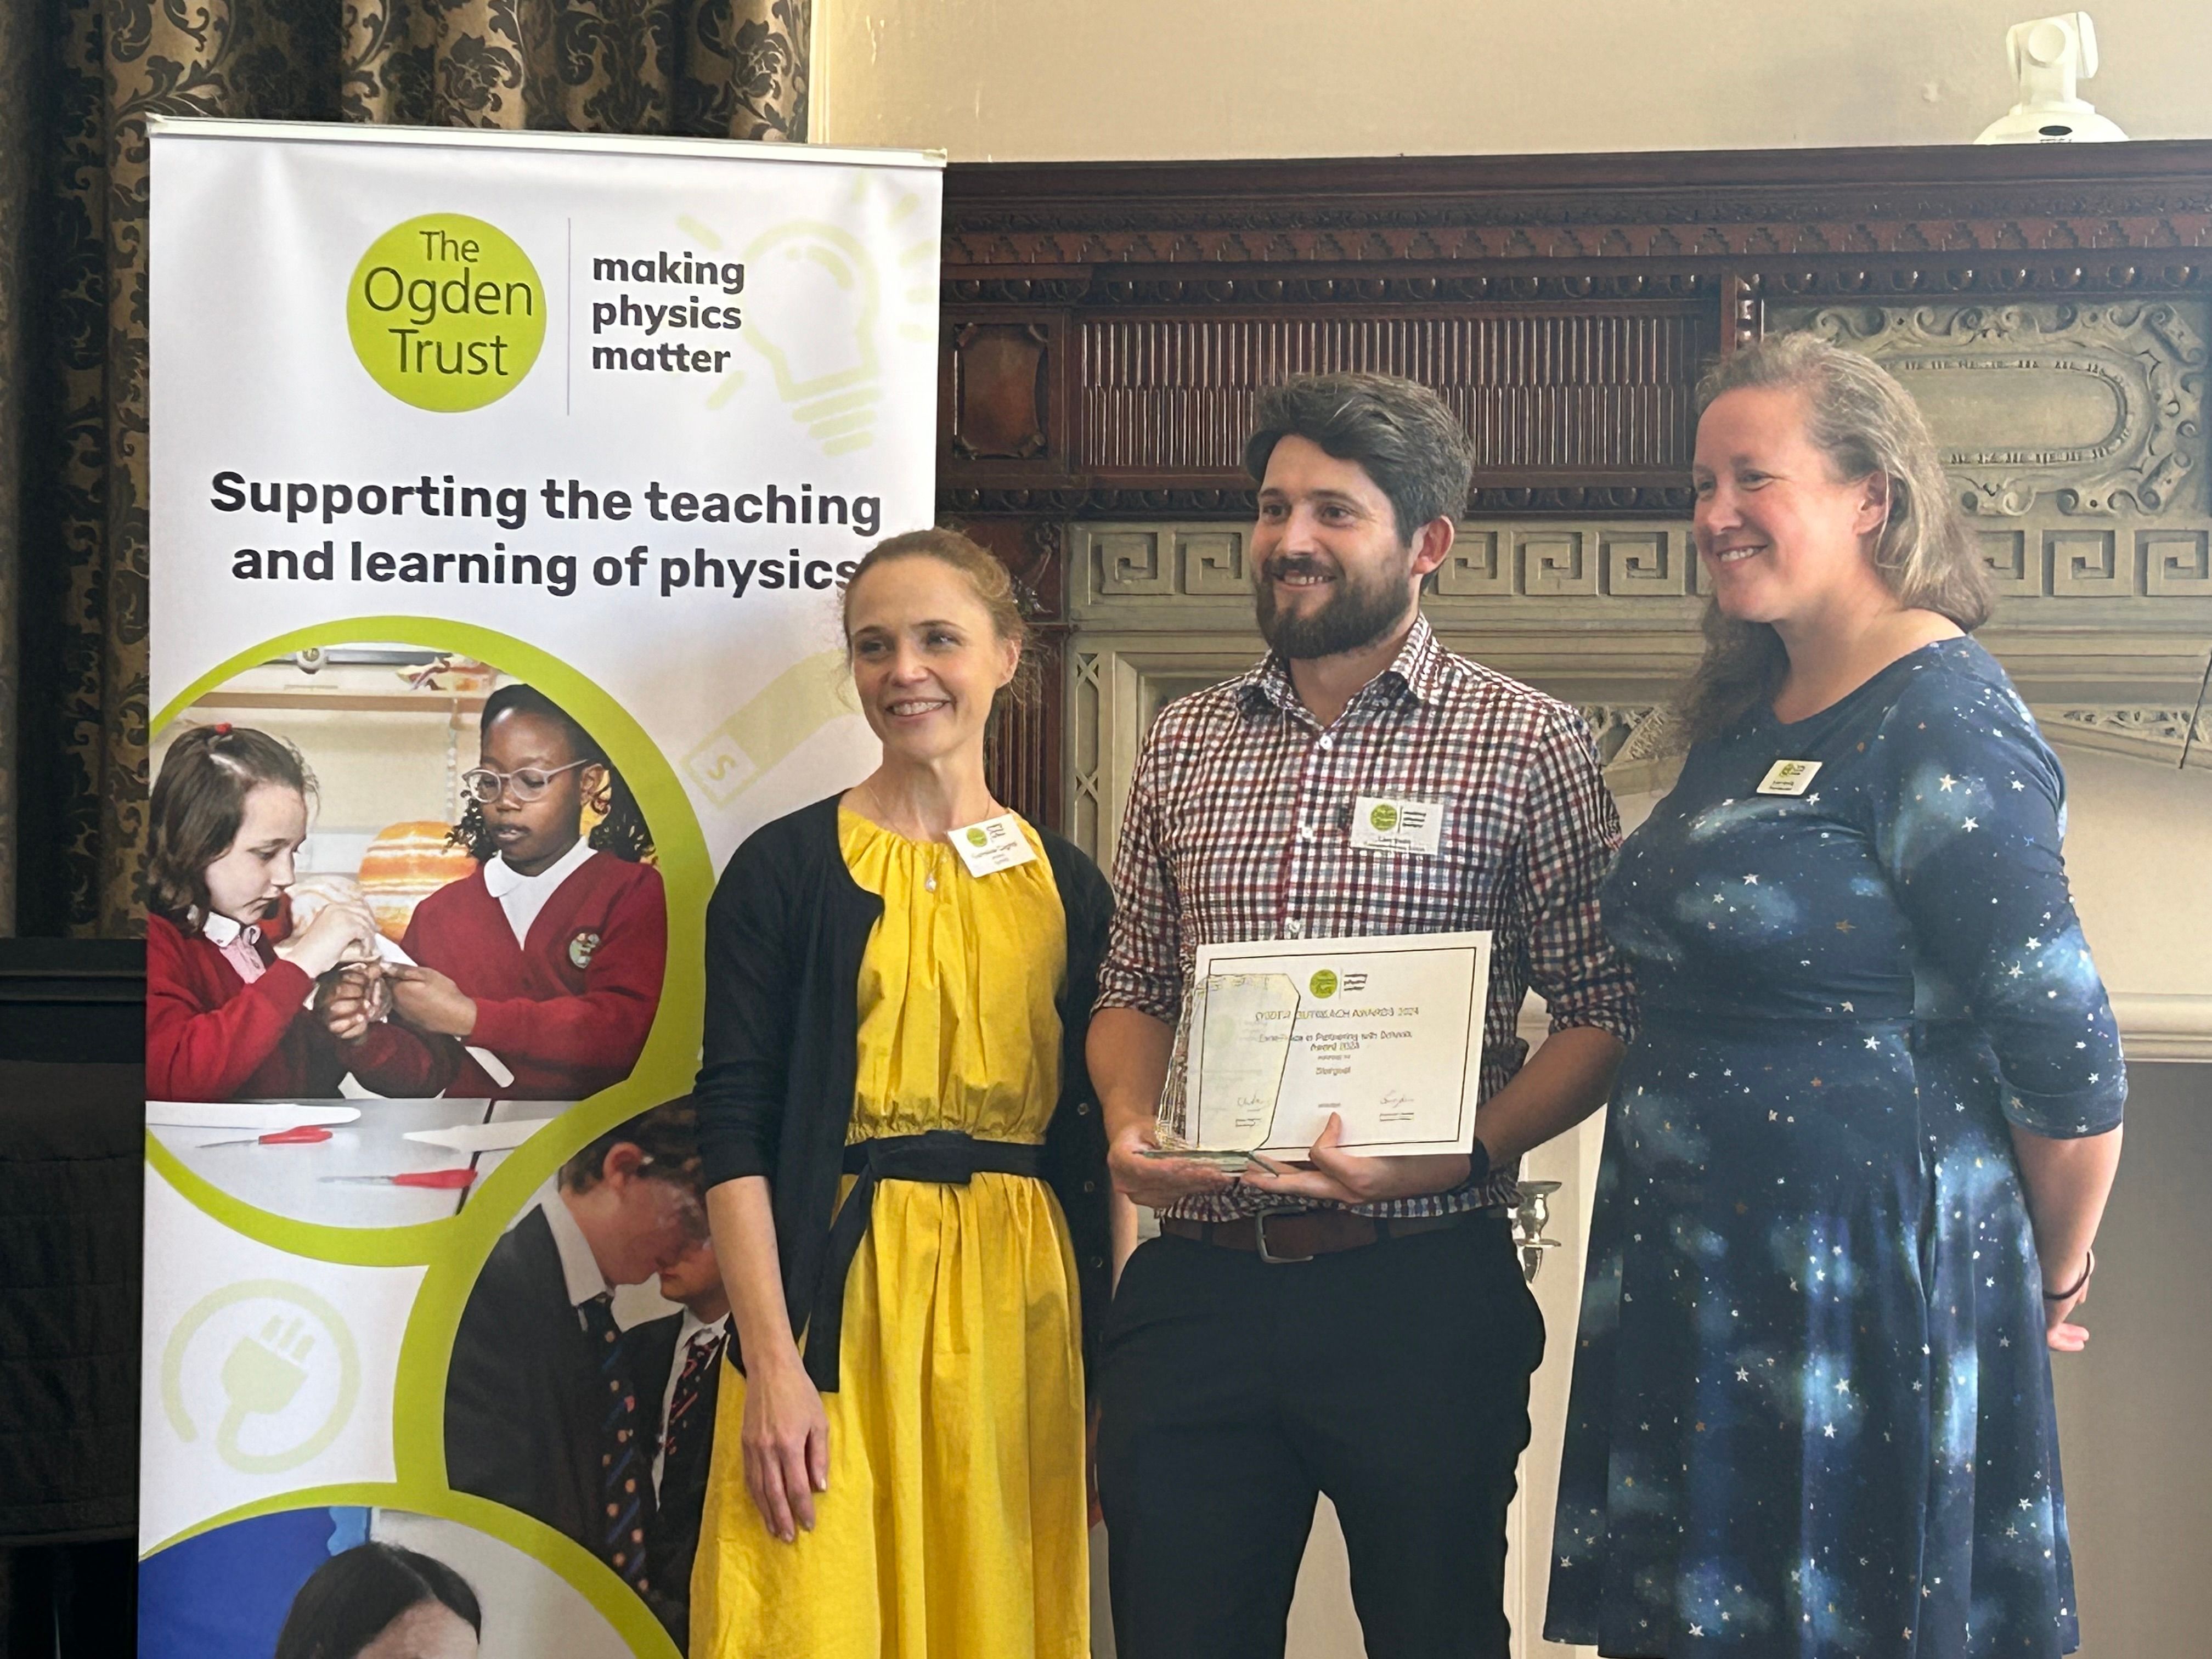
(1000, 392)
(1603, 392)
(1107, 327)
(1107, 324)
(1083, 222)
(1224, 500)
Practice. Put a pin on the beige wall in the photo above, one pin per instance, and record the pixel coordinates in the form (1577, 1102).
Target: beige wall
(1037, 79)
(2138, 844)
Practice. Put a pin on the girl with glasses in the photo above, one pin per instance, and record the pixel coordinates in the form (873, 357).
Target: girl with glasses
(548, 958)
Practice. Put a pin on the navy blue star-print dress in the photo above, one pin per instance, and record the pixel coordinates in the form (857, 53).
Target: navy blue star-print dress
(1811, 1412)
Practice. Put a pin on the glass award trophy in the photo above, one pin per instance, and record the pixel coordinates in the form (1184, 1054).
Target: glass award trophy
(1231, 1047)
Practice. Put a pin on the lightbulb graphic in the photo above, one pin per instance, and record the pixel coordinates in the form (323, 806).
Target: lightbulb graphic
(819, 284)
(831, 319)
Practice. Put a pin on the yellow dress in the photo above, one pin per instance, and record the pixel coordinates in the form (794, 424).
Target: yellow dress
(954, 1524)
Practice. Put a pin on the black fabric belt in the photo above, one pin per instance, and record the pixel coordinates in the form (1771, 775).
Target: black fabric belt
(1289, 1236)
(946, 1157)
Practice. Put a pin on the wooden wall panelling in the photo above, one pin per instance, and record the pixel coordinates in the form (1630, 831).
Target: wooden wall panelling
(1136, 256)
(1003, 395)
(1182, 285)
(1107, 325)
(1022, 751)
(1600, 391)
(1326, 230)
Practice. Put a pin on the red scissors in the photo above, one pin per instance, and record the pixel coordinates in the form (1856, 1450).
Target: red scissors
(440, 1179)
(305, 1134)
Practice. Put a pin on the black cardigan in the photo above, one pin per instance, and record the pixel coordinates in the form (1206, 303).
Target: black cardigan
(786, 933)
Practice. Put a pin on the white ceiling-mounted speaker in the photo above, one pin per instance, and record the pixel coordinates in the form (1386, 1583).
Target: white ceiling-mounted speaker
(2049, 55)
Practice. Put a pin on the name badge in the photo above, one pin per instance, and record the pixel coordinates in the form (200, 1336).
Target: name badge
(1386, 823)
(1788, 777)
(993, 845)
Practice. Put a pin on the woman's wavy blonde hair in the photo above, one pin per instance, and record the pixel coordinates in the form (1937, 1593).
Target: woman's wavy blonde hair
(1863, 421)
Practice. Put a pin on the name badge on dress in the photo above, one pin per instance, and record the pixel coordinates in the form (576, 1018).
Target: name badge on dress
(1788, 777)
(1390, 823)
(994, 844)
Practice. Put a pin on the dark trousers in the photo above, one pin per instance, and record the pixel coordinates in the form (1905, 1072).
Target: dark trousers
(1393, 1377)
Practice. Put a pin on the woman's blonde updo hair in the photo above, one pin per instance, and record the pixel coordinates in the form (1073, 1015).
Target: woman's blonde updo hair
(994, 587)
(1863, 421)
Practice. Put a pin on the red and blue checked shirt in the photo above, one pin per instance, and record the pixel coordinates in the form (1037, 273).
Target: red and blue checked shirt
(1239, 828)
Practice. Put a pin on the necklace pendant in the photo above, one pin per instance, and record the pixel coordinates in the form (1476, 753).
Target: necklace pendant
(929, 881)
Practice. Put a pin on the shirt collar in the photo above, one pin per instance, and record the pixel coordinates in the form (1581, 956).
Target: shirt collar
(220, 930)
(503, 877)
(1413, 672)
(691, 1327)
(580, 1269)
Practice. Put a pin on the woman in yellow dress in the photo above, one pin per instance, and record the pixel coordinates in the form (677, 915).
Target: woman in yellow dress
(906, 1176)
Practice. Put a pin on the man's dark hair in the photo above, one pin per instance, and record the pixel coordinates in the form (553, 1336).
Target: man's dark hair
(352, 1598)
(1400, 433)
(668, 1135)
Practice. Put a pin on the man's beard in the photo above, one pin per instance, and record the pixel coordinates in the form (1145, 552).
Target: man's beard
(1355, 614)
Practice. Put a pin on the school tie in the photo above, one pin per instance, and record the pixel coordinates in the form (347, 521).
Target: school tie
(625, 1479)
(700, 1355)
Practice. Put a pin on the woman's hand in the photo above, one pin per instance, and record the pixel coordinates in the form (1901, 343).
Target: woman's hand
(1157, 1182)
(427, 999)
(1349, 1178)
(352, 1000)
(342, 927)
(2059, 1331)
(785, 1439)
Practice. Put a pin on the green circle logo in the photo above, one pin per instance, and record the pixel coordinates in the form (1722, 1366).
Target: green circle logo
(977, 838)
(265, 1371)
(446, 312)
(1384, 818)
(1323, 984)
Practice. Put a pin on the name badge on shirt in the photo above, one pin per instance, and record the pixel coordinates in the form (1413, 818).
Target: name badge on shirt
(1390, 823)
(993, 845)
(1788, 777)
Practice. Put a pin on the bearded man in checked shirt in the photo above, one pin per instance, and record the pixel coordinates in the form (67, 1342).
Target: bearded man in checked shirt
(1379, 1348)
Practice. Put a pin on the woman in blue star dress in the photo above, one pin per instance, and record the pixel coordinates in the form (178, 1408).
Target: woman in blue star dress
(1854, 1161)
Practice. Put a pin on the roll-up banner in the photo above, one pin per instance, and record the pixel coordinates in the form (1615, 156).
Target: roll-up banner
(503, 487)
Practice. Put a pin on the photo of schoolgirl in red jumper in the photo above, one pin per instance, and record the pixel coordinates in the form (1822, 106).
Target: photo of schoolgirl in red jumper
(225, 989)
(548, 957)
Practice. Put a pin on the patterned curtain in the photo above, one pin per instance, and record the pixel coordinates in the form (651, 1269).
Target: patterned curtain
(78, 79)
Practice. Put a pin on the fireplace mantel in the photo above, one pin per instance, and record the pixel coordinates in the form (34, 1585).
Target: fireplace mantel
(1107, 323)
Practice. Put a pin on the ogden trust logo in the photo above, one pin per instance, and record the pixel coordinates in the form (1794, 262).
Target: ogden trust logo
(1327, 983)
(446, 312)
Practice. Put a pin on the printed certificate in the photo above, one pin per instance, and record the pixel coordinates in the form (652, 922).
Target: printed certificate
(1279, 1033)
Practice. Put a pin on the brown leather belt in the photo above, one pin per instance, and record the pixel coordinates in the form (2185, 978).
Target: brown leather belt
(1288, 1235)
